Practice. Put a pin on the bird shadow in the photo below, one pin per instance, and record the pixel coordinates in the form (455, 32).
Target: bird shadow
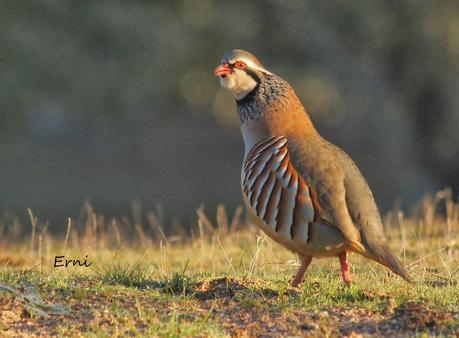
(223, 287)
(227, 287)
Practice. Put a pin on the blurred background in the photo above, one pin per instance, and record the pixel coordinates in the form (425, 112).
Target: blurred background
(116, 101)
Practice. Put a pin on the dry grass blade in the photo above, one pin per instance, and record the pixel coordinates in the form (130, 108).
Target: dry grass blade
(67, 234)
(153, 221)
(33, 222)
(236, 219)
(222, 219)
(143, 238)
(205, 221)
(117, 233)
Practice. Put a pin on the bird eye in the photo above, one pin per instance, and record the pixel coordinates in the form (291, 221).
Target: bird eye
(240, 65)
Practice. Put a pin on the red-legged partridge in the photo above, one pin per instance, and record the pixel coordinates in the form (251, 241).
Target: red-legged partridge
(304, 192)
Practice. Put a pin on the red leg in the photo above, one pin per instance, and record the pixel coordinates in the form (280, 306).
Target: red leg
(301, 271)
(344, 268)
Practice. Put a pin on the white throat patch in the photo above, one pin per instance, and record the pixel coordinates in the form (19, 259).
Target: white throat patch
(239, 83)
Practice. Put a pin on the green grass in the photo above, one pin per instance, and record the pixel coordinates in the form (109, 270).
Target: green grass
(230, 280)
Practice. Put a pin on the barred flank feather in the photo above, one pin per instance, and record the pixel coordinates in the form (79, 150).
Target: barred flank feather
(275, 191)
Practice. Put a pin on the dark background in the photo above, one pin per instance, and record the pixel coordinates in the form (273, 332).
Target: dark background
(113, 101)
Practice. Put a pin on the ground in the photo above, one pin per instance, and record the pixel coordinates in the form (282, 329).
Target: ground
(226, 279)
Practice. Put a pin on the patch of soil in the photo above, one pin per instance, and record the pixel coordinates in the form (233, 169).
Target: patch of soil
(228, 288)
(413, 316)
(241, 308)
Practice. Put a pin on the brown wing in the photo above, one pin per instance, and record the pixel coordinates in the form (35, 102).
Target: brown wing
(315, 160)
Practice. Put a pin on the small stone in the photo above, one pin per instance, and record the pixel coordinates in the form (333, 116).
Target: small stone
(309, 327)
(324, 314)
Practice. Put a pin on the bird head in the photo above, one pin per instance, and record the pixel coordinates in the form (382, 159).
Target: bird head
(240, 72)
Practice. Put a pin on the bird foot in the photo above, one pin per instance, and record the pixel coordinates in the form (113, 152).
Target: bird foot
(295, 282)
(344, 268)
(301, 271)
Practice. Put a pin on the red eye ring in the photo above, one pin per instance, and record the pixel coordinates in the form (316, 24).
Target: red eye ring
(240, 65)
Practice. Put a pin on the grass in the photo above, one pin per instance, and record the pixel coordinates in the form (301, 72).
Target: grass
(224, 279)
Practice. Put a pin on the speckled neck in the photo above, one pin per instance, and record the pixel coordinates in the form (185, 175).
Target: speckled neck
(270, 90)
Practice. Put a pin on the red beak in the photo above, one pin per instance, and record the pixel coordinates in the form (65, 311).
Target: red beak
(223, 70)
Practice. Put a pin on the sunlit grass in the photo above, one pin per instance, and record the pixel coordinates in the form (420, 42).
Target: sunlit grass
(145, 281)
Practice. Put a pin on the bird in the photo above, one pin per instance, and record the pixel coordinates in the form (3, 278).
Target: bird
(303, 191)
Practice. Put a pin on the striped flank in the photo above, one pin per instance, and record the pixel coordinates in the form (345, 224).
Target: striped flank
(276, 193)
